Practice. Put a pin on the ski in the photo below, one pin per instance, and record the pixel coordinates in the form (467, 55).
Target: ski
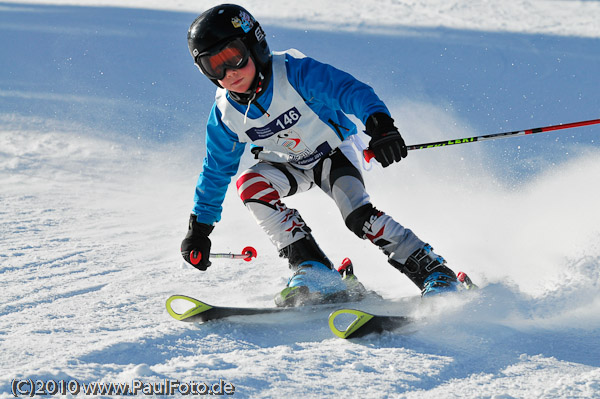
(198, 311)
(201, 311)
(363, 323)
(352, 323)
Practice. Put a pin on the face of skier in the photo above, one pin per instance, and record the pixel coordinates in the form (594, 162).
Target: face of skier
(239, 80)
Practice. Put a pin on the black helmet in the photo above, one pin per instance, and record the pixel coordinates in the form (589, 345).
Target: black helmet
(223, 24)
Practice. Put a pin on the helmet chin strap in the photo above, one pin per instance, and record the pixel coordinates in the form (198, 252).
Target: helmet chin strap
(252, 94)
(258, 85)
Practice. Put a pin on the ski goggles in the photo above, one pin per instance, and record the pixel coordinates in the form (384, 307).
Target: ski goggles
(214, 64)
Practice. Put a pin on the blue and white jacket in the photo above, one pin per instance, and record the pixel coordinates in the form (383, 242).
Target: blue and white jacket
(306, 104)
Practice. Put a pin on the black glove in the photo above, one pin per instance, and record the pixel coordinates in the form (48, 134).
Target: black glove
(195, 247)
(386, 143)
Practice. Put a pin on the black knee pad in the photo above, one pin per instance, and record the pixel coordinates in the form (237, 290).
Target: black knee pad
(357, 218)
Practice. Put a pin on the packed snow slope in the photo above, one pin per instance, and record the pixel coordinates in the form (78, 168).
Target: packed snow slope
(102, 117)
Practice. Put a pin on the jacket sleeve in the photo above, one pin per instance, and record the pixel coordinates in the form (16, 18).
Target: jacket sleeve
(336, 89)
(223, 154)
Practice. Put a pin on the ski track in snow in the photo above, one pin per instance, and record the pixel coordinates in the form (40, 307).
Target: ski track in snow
(99, 144)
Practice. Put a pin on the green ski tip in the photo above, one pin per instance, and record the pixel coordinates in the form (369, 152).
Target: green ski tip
(198, 307)
(360, 319)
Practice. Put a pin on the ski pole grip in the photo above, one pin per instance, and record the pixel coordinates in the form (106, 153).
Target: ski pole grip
(368, 155)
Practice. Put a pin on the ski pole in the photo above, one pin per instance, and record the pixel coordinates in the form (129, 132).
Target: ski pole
(248, 253)
(368, 154)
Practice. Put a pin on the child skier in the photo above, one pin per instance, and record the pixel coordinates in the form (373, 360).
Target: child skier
(292, 109)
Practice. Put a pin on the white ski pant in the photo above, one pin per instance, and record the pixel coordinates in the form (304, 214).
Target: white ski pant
(338, 175)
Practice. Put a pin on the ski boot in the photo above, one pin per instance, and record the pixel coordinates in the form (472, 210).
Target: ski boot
(466, 281)
(429, 272)
(314, 280)
(354, 288)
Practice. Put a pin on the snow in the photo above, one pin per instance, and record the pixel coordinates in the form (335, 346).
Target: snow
(101, 141)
